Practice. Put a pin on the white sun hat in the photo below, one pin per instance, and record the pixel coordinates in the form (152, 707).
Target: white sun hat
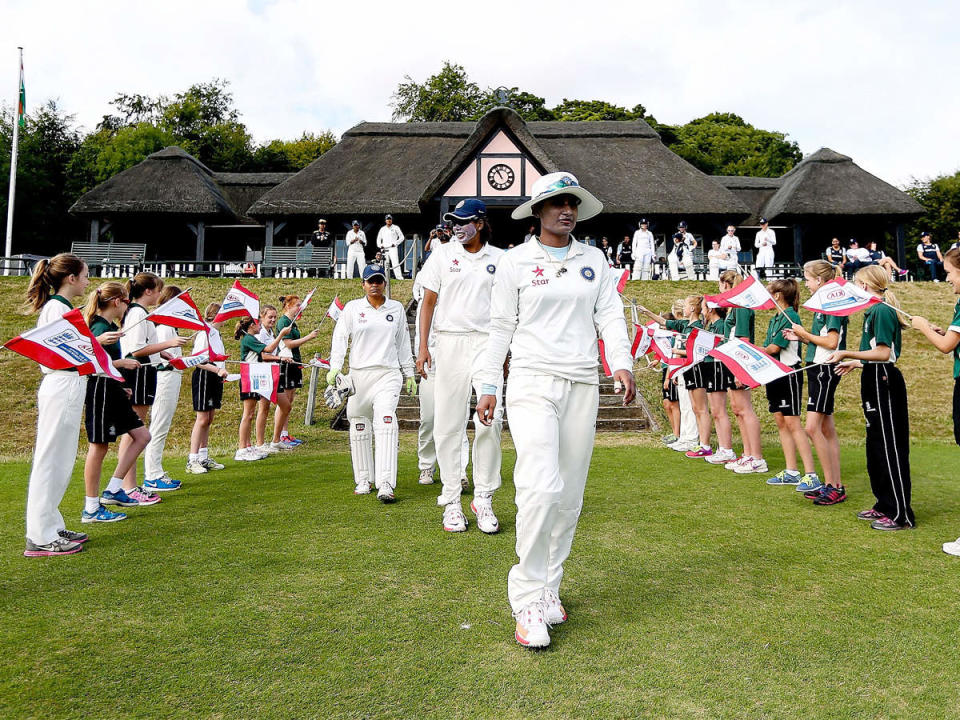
(559, 183)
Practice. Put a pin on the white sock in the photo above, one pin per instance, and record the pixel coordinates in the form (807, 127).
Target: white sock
(203, 454)
(114, 484)
(193, 457)
(284, 433)
(90, 504)
(792, 472)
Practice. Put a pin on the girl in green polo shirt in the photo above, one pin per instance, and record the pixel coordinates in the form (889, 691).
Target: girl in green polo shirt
(884, 398)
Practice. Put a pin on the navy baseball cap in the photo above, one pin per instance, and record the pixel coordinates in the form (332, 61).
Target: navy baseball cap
(388, 217)
(373, 270)
(678, 236)
(925, 233)
(683, 224)
(853, 241)
(356, 222)
(763, 221)
(469, 209)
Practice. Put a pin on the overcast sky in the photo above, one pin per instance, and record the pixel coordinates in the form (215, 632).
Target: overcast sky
(874, 80)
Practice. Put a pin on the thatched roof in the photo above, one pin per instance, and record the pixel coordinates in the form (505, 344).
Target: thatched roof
(243, 189)
(828, 183)
(400, 167)
(168, 182)
(754, 192)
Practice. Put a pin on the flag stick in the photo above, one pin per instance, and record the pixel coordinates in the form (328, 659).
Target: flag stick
(147, 316)
(905, 314)
(13, 167)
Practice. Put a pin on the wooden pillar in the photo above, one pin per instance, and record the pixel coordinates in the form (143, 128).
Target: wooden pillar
(901, 246)
(268, 235)
(201, 238)
(95, 230)
(798, 244)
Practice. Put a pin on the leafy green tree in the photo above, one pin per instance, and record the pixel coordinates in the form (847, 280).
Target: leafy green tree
(205, 123)
(725, 144)
(292, 155)
(526, 105)
(447, 96)
(595, 110)
(940, 198)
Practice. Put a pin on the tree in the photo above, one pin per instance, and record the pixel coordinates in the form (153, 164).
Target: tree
(292, 155)
(447, 96)
(526, 105)
(940, 198)
(594, 110)
(724, 144)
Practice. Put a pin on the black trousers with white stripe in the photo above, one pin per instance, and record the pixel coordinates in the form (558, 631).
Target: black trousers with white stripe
(883, 395)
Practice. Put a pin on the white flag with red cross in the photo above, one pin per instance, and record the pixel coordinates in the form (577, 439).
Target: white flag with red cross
(262, 378)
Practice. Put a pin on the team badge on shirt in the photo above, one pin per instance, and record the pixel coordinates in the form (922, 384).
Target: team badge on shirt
(587, 273)
(491, 268)
(389, 318)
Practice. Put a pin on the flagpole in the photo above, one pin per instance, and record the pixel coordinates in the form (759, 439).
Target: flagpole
(13, 169)
(147, 316)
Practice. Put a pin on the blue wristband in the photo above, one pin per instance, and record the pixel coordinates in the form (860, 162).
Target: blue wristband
(486, 389)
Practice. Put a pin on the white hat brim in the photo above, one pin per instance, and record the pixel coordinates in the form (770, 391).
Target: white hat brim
(589, 205)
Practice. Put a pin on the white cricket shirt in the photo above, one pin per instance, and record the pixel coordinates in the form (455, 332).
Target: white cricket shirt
(356, 239)
(549, 322)
(52, 310)
(643, 243)
(389, 236)
(210, 339)
(765, 238)
(463, 282)
(140, 334)
(378, 337)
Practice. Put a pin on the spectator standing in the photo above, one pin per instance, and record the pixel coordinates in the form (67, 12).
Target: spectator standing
(930, 256)
(531, 234)
(729, 247)
(625, 254)
(643, 250)
(322, 239)
(835, 255)
(356, 253)
(607, 250)
(389, 239)
(764, 242)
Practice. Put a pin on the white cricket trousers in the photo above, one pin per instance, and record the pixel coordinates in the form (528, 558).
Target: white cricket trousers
(426, 447)
(355, 256)
(161, 417)
(459, 358)
(395, 262)
(764, 257)
(59, 409)
(374, 404)
(689, 433)
(553, 422)
(641, 268)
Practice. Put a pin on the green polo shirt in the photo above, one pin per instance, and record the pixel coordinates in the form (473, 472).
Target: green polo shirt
(823, 324)
(100, 325)
(739, 323)
(717, 327)
(249, 345)
(778, 323)
(955, 327)
(294, 334)
(881, 327)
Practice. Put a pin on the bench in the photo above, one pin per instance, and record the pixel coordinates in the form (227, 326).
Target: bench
(111, 259)
(782, 270)
(297, 262)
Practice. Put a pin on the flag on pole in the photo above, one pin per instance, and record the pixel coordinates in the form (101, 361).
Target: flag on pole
(839, 297)
(22, 102)
(603, 359)
(662, 346)
(63, 344)
(642, 340)
(333, 312)
(699, 344)
(622, 282)
(261, 378)
(749, 364)
(198, 358)
(749, 294)
(304, 303)
(179, 312)
(238, 303)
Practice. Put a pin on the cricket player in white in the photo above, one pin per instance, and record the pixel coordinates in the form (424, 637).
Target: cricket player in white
(389, 239)
(764, 242)
(549, 298)
(356, 255)
(457, 280)
(426, 446)
(730, 247)
(643, 250)
(379, 350)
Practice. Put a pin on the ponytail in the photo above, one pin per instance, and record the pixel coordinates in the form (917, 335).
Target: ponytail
(789, 289)
(821, 269)
(169, 293)
(731, 278)
(141, 282)
(100, 298)
(288, 301)
(211, 312)
(243, 326)
(48, 276)
(877, 279)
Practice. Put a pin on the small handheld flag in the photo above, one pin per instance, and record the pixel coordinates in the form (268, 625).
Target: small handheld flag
(304, 303)
(839, 297)
(749, 294)
(622, 282)
(603, 359)
(63, 344)
(238, 303)
(261, 378)
(749, 364)
(179, 312)
(642, 340)
(198, 358)
(333, 312)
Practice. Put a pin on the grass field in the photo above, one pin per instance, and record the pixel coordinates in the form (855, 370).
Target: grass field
(258, 592)
(270, 591)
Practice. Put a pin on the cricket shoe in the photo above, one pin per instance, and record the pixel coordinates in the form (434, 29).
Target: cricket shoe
(531, 631)
(195, 467)
(453, 518)
(362, 488)
(60, 546)
(721, 457)
(102, 515)
(482, 507)
(952, 548)
(426, 477)
(386, 496)
(553, 611)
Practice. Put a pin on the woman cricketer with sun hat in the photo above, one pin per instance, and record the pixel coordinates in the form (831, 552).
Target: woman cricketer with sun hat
(549, 299)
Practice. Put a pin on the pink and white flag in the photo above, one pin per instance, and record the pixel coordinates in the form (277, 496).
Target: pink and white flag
(749, 364)
(179, 312)
(333, 312)
(304, 303)
(662, 346)
(699, 344)
(238, 303)
(839, 297)
(603, 359)
(261, 378)
(198, 358)
(63, 344)
(749, 294)
(622, 282)
(642, 340)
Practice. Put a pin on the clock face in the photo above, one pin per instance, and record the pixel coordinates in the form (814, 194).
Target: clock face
(501, 176)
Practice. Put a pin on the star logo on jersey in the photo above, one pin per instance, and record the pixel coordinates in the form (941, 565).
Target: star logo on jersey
(538, 271)
(362, 315)
(456, 262)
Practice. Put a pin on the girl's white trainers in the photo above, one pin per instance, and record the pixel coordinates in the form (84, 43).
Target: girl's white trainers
(531, 628)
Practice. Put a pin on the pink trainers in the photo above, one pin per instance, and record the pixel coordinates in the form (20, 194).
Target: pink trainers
(700, 452)
(143, 497)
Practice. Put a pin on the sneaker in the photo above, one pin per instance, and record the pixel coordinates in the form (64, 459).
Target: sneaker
(73, 535)
(289, 443)
(291, 438)
(163, 483)
(702, 451)
(465, 484)
(362, 489)
(810, 481)
(482, 507)
(426, 477)
(680, 446)
(143, 497)
(721, 457)
(266, 449)
(784, 477)
(278, 446)
(258, 453)
(101, 515)
(196, 468)
(751, 465)
(669, 439)
(734, 464)
(119, 497)
(553, 612)
(830, 495)
(453, 518)
(901, 273)
(886, 523)
(952, 548)
(386, 496)
(870, 514)
(243, 455)
(531, 628)
(815, 493)
(60, 546)
(211, 464)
